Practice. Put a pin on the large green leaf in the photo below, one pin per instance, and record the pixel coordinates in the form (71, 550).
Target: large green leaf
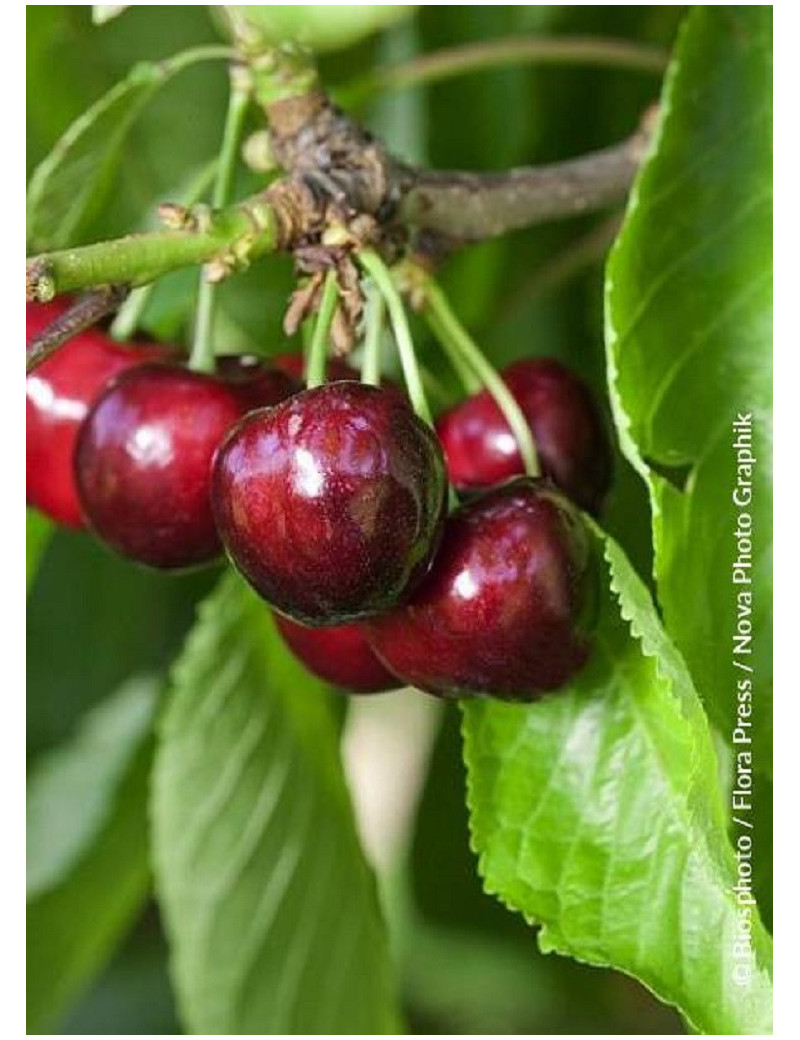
(72, 791)
(70, 185)
(270, 907)
(688, 308)
(78, 647)
(87, 849)
(596, 814)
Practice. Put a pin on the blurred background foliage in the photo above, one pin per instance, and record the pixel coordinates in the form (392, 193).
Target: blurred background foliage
(94, 620)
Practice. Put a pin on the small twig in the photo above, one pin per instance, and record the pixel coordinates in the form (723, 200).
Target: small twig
(86, 311)
(477, 57)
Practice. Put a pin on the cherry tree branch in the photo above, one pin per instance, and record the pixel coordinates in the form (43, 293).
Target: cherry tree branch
(337, 174)
(469, 207)
(250, 226)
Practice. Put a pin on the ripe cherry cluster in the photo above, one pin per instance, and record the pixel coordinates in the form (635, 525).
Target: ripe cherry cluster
(332, 502)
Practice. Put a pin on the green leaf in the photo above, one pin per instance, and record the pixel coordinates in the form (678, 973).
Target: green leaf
(38, 531)
(269, 905)
(688, 311)
(70, 186)
(595, 813)
(71, 792)
(87, 850)
(79, 648)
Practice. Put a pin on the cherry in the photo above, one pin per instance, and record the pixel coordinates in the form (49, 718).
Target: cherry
(500, 612)
(331, 504)
(144, 453)
(59, 393)
(340, 655)
(567, 428)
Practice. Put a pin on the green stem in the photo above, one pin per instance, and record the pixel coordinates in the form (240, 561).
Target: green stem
(207, 52)
(447, 326)
(476, 57)
(376, 312)
(318, 351)
(130, 313)
(201, 358)
(129, 316)
(141, 258)
(382, 277)
(466, 375)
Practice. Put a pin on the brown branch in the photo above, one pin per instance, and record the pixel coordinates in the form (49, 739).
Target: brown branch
(87, 310)
(468, 207)
(343, 182)
(348, 173)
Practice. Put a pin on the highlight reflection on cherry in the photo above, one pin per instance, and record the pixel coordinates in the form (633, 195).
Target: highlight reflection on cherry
(568, 429)
(59, 393)
(500, 612)
(144, 454)
(331, 503)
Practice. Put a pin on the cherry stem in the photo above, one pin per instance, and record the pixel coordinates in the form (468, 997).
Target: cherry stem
(374, 319)
(317, 355)
(129, 316)
(382, 277)
(130, 313)
(467, 377)
(449, 330)
(202, 356)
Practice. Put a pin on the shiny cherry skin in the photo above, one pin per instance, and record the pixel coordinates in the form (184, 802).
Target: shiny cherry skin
(331, 503)
(143, 462)
(568, 429)
(339, 654)
(502, 611)
(59, 393)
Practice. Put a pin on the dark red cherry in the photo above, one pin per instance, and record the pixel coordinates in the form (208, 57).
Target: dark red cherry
(143, 463)
(501, 611)
(570, 435)
(336, 369)
(331, 504)
(340, 655)
(59, 393)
